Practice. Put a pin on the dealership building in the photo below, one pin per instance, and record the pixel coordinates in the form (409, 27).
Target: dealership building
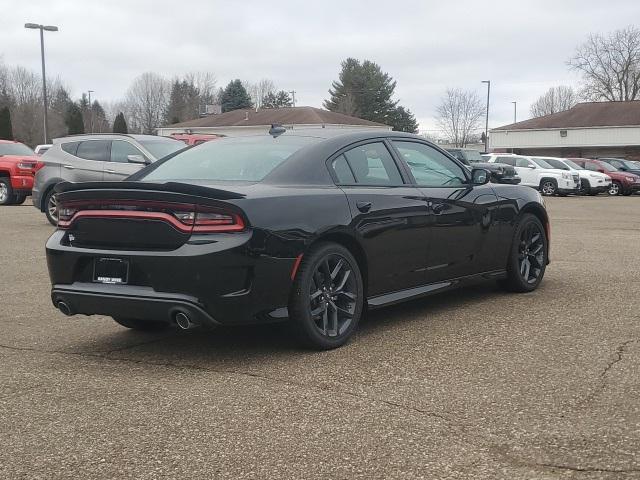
(590, 130)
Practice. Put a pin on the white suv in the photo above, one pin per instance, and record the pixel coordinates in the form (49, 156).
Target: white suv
(591, 183)
(538, 174)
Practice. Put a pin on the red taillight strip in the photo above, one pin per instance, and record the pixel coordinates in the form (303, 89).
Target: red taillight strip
(296, 264)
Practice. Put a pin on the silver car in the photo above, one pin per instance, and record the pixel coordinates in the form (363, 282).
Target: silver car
(95, 157)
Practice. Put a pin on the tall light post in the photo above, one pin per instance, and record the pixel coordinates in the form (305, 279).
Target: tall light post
(90, 112)
(486, 125)
(515, 112)
(42, 28)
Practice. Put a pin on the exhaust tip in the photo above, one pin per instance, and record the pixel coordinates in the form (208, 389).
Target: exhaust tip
(183, 321)
(64, 308)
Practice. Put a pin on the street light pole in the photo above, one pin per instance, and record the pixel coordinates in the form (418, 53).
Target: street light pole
(90, 112)
(486, 125)
(515, 112)
(42, 28)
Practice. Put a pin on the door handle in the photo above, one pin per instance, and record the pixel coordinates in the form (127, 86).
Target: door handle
(107, 170)
(364, 207)
(438, 208)
(68, 167)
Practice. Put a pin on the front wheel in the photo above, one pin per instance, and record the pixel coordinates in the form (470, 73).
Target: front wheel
(615, 189)
(327, 298)
(6, 191)
(548, 187)
(528, 256)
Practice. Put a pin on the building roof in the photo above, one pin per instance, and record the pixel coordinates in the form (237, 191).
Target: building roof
(588, 114)
(283, 116)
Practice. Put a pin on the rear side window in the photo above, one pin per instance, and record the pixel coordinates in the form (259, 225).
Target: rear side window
(71, 147)
(372, 164)
(98, 150)
(343, 171)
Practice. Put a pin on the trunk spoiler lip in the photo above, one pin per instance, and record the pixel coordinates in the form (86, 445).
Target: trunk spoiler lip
(169, 187)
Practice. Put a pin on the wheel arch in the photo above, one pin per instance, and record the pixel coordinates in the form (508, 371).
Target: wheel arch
(45, 191)
(540, 212)
(5, 173)
(544, 179)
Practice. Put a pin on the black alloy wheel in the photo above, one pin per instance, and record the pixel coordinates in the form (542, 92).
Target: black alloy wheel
(327, 298)
(528, 257)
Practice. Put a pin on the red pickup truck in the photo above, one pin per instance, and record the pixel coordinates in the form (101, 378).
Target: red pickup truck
(18, 166)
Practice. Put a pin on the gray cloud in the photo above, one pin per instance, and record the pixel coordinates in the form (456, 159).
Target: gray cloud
(426, 46)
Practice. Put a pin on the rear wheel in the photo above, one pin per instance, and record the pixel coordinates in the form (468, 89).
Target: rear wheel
(615, 189)
(51, 207)
(327, 298)
(528, 256)
(6, 191)
(548, 187)
(18, 199)
(141, 325)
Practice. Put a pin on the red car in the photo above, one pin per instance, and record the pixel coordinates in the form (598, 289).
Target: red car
(194, 138)
(622, 183)
(18, 166)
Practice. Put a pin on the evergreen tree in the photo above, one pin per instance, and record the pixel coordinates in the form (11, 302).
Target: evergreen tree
(6, 131)
(100, 122)
(120, 124)
(73, 119)
(277, 100)
(363, 90)
(402, 120)
(235, 97)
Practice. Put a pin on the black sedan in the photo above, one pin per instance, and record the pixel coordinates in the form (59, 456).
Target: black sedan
(312, 227)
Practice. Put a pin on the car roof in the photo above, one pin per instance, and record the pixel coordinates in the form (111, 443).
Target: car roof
(101, 136)
(9, 141)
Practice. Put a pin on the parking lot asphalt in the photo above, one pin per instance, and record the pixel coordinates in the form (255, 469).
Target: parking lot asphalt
(475, 383)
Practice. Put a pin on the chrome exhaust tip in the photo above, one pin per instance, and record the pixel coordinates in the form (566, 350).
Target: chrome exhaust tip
(183, 321)
(64, 308)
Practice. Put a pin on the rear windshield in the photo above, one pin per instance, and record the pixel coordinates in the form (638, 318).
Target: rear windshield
(248, 159)
(162, 147)
(15, 149)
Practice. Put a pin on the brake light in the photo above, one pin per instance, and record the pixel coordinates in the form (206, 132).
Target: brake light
(26, 166)
(186, 218)
(38, 166)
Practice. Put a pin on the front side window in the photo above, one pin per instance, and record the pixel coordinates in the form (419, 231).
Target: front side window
(429, 167)
(161, 147)
(506, 160)
(372, 164)
(98, 150)
(120, 151)
(522, 162)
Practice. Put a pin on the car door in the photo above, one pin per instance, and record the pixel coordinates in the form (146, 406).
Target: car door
(390, 216)
(463, 230)
(527, 171)
(120, 165)
(85, 160)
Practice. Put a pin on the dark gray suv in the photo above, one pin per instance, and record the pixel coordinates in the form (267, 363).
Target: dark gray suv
(95, 157)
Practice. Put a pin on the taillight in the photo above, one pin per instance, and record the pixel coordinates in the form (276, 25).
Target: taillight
(27, 166)
(38, 166)
(186, 218)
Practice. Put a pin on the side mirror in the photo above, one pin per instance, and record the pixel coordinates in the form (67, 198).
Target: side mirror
(531, 166)
(601, 170)
(624, 169)
(137, 159)
(480, 176)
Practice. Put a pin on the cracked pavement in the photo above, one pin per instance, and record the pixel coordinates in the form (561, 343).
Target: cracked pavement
(474, 383)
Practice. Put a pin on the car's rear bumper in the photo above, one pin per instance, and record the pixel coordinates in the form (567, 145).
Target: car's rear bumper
(222, 280)
(22, 183)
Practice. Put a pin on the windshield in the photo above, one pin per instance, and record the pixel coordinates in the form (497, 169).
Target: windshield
(162, 147)
(473, 156)
(15, 149)
(542, 163)
(573, 165)
(607, 167)
(629, 165)
(242, 159)
(556, 163)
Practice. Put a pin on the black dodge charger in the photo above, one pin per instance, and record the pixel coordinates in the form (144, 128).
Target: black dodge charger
(309, 226)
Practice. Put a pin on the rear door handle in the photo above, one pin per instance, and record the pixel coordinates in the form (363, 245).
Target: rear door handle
(364, 207)
(107, 170)
(68, 167)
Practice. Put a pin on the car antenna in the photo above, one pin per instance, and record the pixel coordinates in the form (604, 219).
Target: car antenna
(276, 130)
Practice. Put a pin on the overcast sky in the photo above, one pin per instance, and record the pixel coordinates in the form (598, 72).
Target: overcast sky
(427, 46)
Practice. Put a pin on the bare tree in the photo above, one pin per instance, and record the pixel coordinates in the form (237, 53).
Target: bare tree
(610, 65)
(257, 91)
(147, 101)
(459, 115)
(556, 99)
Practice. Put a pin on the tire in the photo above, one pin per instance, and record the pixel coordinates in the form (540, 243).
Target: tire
(627, 194)
(585, 187)
(6, 191)
(615, 189)
(327, 298)
(18, 199)
(548, 187)
(141, 325)
(519, 277)
(49, 204)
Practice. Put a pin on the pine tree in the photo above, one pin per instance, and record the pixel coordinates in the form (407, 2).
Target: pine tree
(363, 90)
(100, 122)
(120, 124)
(6, 130)
(402, 120)
(73, 119)
(235, 97)
(277, 100)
